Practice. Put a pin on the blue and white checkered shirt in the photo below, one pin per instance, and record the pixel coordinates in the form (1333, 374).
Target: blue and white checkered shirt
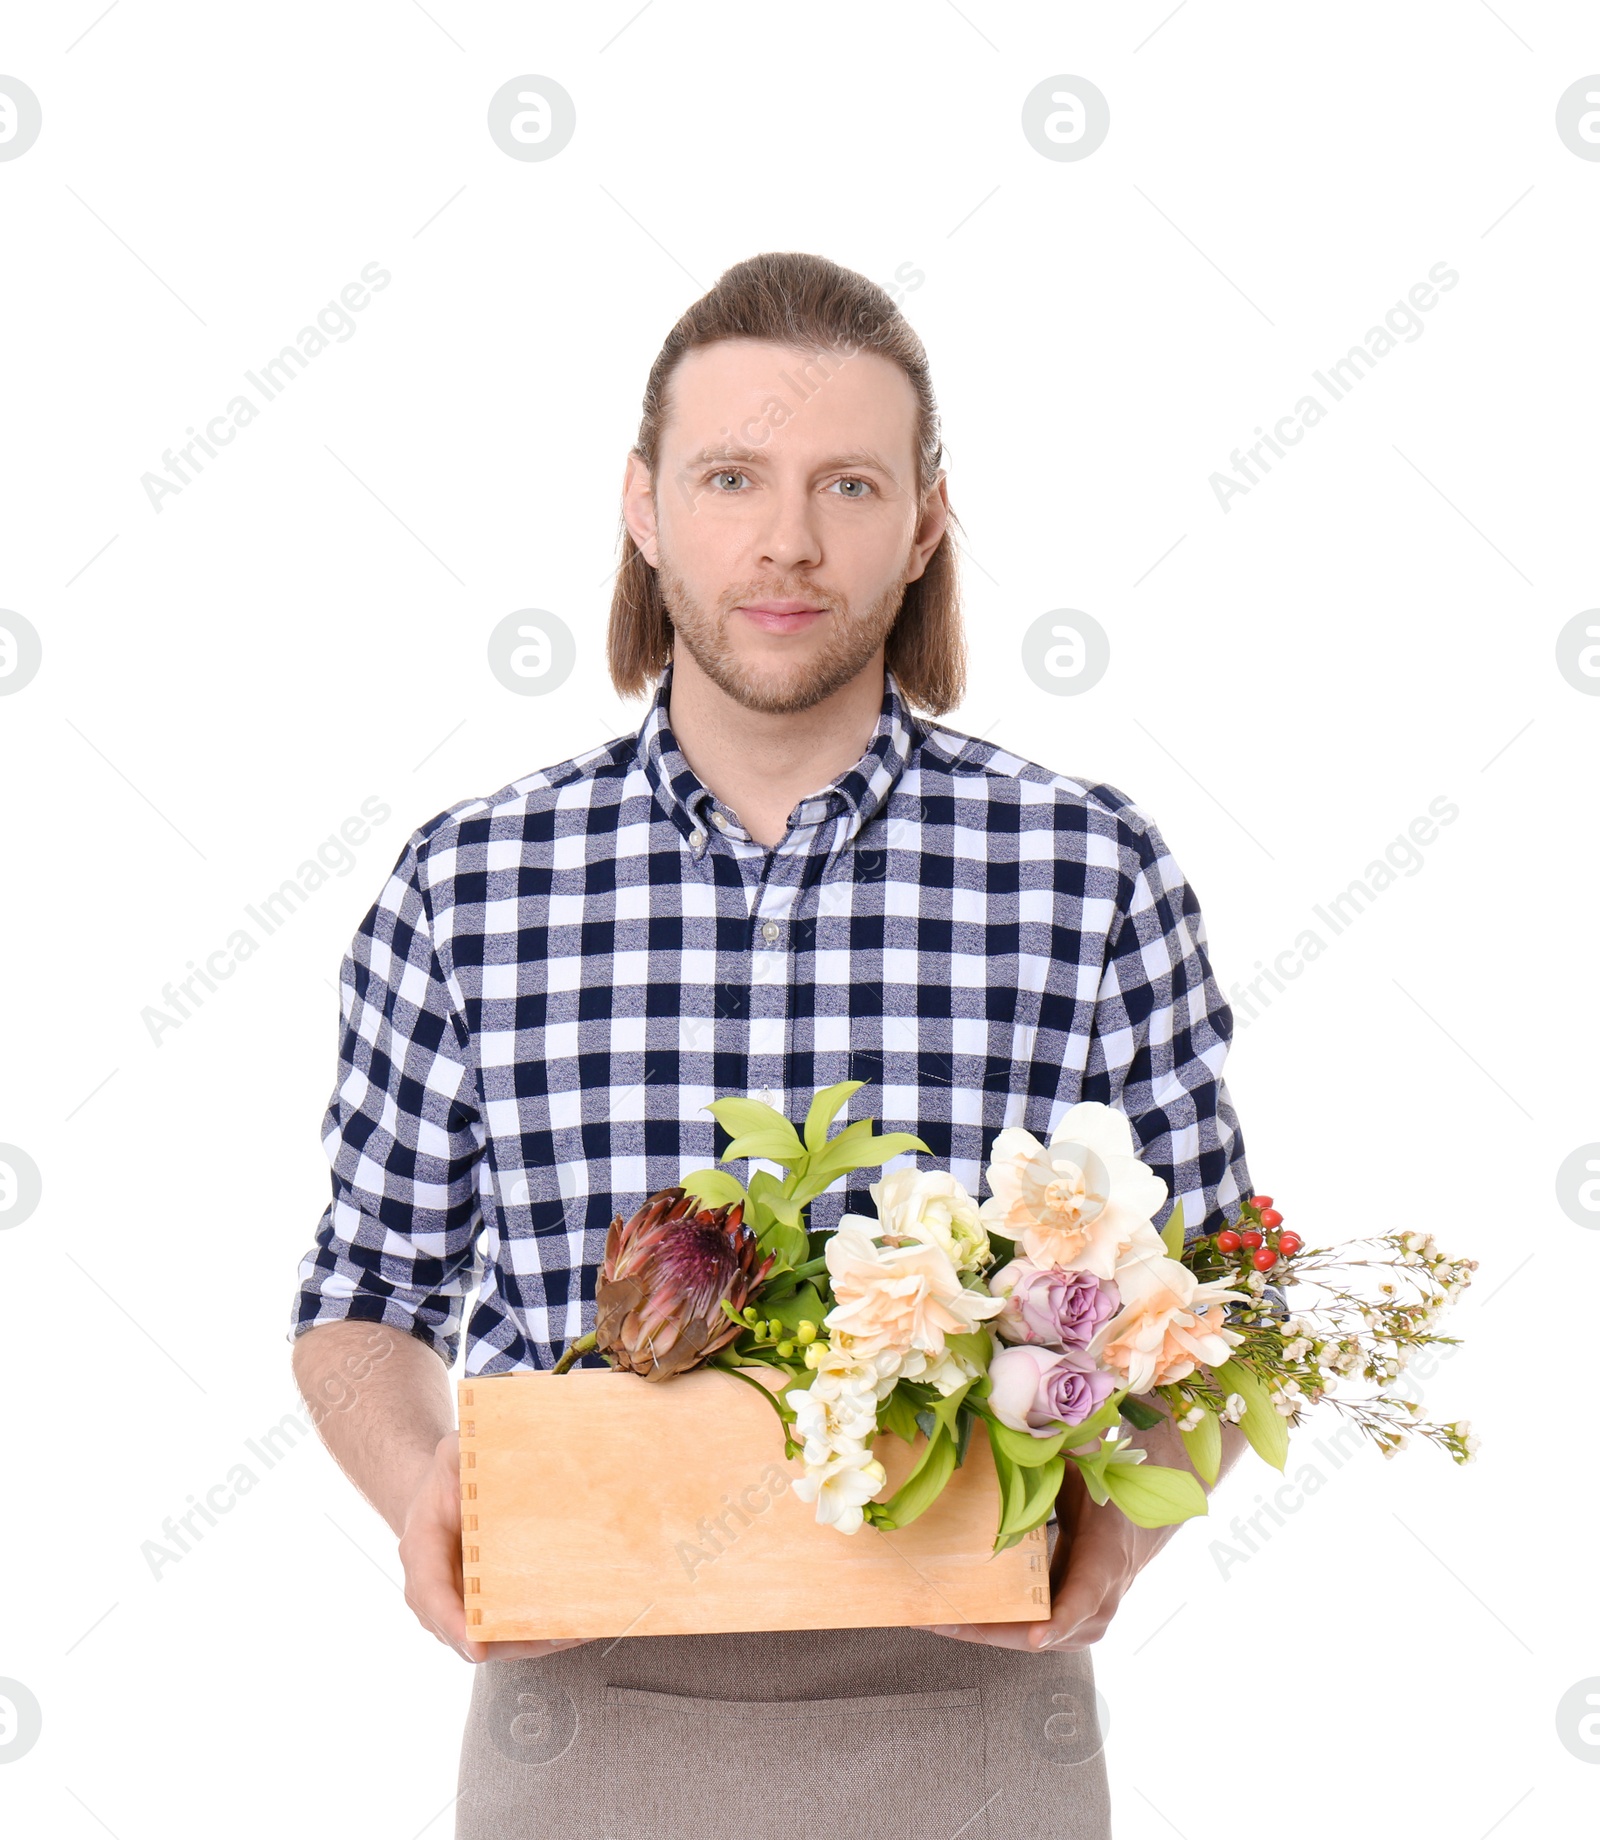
(557, 978)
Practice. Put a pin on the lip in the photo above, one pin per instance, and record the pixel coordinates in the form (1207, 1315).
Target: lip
(782, 616)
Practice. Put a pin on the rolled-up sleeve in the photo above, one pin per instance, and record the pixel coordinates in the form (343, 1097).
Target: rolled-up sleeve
(1161, 1034)
(402, 1134)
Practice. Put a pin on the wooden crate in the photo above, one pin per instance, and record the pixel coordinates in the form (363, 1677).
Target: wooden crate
(597, 1503)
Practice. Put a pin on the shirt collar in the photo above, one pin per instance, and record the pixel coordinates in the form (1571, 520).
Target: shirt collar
(858, 795)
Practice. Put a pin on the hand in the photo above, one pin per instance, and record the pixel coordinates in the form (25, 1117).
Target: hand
(430, 1551)
(1099, 1552)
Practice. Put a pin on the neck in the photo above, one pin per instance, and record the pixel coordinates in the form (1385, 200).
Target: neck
(759, 764)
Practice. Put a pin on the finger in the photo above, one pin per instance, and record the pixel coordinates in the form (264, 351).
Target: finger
(433, 1588)
(1078, 1618)
(996, 1635)
(520, 1651)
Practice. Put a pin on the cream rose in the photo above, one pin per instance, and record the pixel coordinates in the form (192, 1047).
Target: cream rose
(1083, 1201)
(1169, 1323)
(931, 1205)
(902, 1299)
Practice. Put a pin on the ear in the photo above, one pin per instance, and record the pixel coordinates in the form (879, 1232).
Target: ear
(639, 507)
(931, 526)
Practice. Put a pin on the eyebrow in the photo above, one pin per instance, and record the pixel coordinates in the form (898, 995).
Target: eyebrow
(862, 457)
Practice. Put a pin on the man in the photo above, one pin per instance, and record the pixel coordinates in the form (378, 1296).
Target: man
(785, 879)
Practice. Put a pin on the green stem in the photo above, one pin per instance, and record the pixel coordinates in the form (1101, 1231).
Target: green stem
(771, 1398)
(585, 1344)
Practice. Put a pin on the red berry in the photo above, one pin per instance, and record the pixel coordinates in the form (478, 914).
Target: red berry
(1228, 1240)
(1261, 1201)
(1252, 1239)
(1265, 1258)
(1289, 1244)
(1270, 1217)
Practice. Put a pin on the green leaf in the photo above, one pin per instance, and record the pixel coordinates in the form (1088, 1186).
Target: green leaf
(1025, 1494)
(785, 1208)
(1204, 1445)
(811, 1184)
(1015, 1485)
(947, 1405)
(1097, 1422)
(789, 1243)
(824, 1108)
(777, 1146)
(1172, 1232)
(1023, 1449)
(898, 1413)
(768, 1203)
(737, 1116)
(977, 1346)
(1136, 1412)
(803, 1304)
(1151, 1495)
(716, 1187)
(1004, 1250)
(1043, 1486)
(964, 1423)
(842, 1156)
(921, 1488)
(1093, 1471)
(1267, 1434)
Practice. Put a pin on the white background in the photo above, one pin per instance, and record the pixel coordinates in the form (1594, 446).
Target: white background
(223, 682)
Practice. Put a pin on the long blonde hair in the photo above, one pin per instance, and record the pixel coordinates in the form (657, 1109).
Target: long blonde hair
(811, 303)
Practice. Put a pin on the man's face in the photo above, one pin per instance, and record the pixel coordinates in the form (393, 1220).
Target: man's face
(786, 522)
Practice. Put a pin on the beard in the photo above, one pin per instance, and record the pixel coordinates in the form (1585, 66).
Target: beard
(849, 644)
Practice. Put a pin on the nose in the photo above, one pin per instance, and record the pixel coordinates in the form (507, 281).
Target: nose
(790, 537)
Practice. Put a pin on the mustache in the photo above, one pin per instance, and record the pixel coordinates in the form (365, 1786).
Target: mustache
(754, 596)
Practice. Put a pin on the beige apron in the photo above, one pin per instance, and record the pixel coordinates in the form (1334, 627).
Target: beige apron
(878, 1734)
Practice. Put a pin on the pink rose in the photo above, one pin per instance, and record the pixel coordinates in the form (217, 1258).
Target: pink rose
(1049, 1306)
(1035, 1390)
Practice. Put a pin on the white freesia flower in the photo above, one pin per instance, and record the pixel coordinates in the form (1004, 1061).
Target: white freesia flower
(840, 1487)
(931, 1205)
(1083, 1200)
(833, 1426)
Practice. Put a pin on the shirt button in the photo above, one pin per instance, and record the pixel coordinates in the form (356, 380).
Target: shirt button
(697, 837)
(769, 932)
(718, 820)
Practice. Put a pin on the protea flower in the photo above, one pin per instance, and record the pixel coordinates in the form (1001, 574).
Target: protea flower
(663, 1279)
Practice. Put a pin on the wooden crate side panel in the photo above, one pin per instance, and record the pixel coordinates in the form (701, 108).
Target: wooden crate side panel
(598, 1504)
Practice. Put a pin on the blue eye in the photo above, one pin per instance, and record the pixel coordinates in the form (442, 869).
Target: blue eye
(864, 484)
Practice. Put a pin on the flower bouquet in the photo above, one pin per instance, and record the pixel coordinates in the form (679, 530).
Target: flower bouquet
(1055, 1314)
